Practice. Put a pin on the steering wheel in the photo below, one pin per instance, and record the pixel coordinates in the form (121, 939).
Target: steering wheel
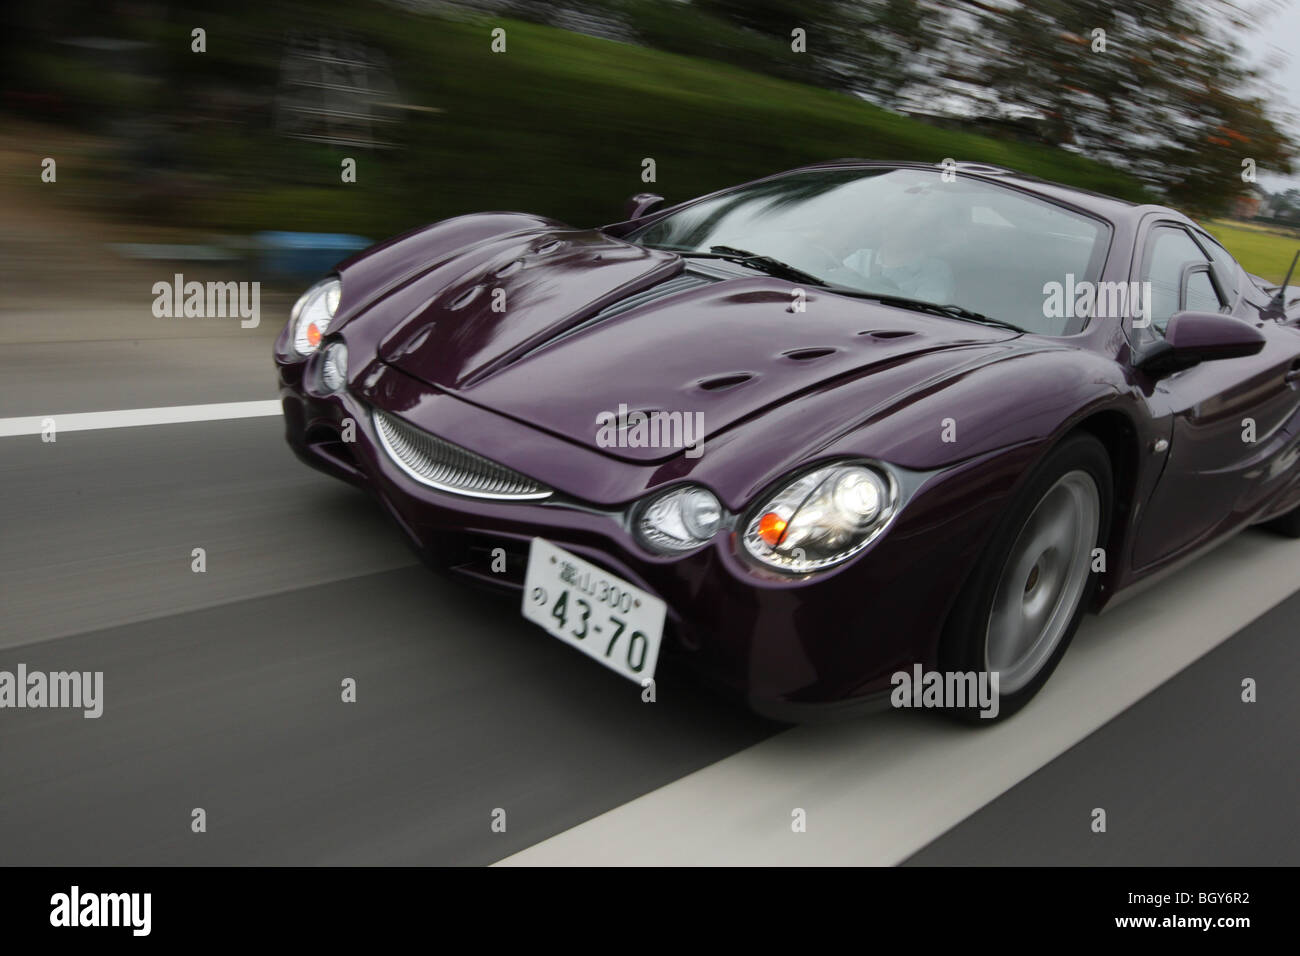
(883, 285)
(828, 260)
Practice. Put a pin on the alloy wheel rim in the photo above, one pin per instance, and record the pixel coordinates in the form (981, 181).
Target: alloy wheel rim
(1043, 581)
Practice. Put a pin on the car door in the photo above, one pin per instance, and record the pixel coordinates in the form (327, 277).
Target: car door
(1233, 431)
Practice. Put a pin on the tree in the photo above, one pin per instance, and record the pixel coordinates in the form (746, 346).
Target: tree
(1157, 87)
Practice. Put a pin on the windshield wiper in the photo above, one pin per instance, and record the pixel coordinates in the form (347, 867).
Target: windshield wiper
(765, 264)
(775, 267)
(920, 305)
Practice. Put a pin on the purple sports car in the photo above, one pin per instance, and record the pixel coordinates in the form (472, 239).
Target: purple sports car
(808, 433)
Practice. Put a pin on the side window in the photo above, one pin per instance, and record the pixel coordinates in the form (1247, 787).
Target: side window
(1201, 295)
(1169, 253)
(1226, 270)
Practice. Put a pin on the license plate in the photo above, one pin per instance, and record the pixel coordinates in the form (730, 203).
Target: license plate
(601, 615)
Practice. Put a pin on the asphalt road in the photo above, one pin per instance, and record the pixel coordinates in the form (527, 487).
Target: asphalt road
(1189, 775)
(223, 688)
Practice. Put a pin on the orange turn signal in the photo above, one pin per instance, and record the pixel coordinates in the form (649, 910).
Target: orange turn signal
(771, 528)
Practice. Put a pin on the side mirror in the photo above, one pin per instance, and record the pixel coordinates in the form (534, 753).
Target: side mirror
(640, 204)
(1195, 337)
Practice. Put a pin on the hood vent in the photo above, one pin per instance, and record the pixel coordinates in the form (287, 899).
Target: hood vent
(661, 290)
(805, 355)
(886, 334)
(719, 382)
(680, 283)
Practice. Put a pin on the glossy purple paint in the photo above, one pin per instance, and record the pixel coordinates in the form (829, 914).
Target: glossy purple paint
(1208, 336)
(846, 378)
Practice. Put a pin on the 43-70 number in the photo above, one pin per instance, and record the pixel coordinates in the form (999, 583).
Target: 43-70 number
(637, 644)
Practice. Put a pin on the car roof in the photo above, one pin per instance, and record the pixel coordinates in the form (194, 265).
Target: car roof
(1108, 207)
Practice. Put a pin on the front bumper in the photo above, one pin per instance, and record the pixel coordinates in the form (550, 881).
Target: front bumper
(793, 648)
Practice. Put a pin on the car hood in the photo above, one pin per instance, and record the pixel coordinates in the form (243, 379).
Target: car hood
(574, 331)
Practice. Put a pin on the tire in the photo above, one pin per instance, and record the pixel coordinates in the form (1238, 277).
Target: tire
(1022, 604)
(1287, 524)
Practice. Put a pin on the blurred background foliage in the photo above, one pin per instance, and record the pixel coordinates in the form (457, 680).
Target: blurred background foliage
(559, 123)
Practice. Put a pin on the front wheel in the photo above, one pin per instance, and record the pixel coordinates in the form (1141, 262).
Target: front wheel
(1022, 604)
(1287, 524)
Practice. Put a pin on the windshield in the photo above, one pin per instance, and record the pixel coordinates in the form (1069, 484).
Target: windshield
(907, 233)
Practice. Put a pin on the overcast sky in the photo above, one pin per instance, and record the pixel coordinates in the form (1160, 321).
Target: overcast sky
(1278, 42)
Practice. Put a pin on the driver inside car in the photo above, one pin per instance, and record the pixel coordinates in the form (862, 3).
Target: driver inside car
(903, 264)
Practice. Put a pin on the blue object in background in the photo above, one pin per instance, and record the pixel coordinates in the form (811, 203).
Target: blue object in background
(305, 255)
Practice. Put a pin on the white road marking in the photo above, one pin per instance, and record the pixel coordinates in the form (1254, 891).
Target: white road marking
(134, 417)
(878, 789)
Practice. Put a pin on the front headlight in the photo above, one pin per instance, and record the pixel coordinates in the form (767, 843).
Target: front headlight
(680, 520)
(822, 517)
(312, 314)
(334, 367)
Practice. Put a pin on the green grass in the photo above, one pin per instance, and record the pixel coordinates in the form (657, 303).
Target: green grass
(1264, 251)
(559, 125)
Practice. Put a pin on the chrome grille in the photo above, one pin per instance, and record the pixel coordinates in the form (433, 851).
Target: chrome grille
(447, 467)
